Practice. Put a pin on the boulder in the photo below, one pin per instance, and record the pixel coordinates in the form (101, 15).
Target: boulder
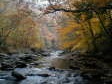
(18, 75)
(6, 66)
(28, 57)
(21, 64)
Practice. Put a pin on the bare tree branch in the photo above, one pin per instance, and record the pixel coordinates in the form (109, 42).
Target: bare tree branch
(53, 9)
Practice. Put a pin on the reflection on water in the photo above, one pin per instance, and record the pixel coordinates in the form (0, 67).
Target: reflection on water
(60, 63)
(55, 60)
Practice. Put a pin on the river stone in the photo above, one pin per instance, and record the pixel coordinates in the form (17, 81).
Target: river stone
(3, 54)
(20, 73)
(6, 66)
(21, 64)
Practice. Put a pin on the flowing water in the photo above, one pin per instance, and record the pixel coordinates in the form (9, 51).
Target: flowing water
(60, 75)
(55, 60)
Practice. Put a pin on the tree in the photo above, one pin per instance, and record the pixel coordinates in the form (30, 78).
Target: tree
(89, 9)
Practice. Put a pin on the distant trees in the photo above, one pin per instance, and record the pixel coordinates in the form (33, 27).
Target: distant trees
(17, 27)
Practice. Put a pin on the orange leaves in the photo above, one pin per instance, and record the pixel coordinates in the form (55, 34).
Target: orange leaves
(28, 21)
(25, 33)
(68, 34)
(68, 44)
(70, 27)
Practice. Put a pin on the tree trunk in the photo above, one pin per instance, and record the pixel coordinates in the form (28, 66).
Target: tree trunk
(103, 26)
(92, 36)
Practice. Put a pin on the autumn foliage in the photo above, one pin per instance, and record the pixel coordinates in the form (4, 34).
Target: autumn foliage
(75, 25)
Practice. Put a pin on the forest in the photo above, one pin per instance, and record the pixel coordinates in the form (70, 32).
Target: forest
(55, 41)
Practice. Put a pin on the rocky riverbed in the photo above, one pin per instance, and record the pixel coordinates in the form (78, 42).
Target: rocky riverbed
(51, 68)
(42, 76)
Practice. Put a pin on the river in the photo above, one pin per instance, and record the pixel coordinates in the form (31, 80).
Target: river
(53, 69)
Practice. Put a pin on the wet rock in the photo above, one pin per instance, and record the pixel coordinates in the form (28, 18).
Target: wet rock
(21, 64)
(3, 54)
(45, 54)
(44, 75)
(27, 57)
(75, 74)
(86, 76)
(65, 80)
(6, 66)
(74, 68)
(93, 75)
(18, 75)
(51, 68)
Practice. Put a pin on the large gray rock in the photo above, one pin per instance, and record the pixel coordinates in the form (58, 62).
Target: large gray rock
(20, 74)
